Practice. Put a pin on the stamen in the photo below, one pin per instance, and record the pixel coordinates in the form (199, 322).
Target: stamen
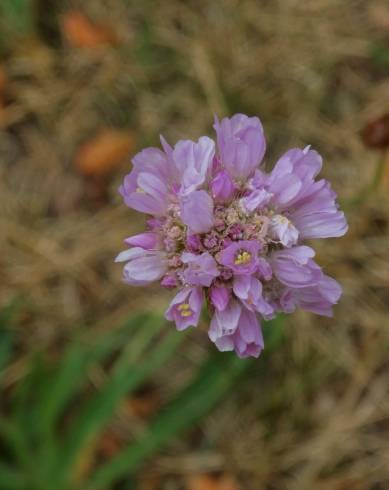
(186, 313)
(242, 258)
(184, 309)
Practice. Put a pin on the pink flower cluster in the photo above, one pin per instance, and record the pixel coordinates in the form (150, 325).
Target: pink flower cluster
(226, 233)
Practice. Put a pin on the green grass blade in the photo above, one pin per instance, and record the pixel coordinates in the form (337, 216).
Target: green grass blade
(25, 393)
(136, 347)
(5, 348)
(100, 409)
(7, 315)
(14, 440)
(72, 372)
(212, 382)
(69, 377)
(17, 15)
(10, 479)
(273, 333)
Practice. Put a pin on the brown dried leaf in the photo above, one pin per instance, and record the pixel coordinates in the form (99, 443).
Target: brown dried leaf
(376, 133)
(104, 152)
(81, 32)
(145, 402)
(210, 482)
(3, 81)
(95, 191)
(147, 482)
(109, 445)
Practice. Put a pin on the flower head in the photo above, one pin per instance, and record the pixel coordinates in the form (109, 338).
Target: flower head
(226, 233)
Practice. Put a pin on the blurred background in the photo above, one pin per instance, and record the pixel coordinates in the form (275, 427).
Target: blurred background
(96, 390)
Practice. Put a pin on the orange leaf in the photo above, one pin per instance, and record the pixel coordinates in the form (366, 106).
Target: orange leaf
(105, 152)
(81, 32)
(209, 482)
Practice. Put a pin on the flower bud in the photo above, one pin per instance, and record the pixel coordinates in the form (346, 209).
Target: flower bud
(169, 281)
(193, 243)
(147, 240)
(222, 186)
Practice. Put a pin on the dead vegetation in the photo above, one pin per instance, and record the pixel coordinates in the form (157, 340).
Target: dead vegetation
(315, 72)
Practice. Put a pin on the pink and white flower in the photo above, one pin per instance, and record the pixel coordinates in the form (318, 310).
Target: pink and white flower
(226, 233)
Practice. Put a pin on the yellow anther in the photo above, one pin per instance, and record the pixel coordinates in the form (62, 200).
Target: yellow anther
(183, 306)
(242, 258)
(184, 309)
(186, 313)
(139, 190)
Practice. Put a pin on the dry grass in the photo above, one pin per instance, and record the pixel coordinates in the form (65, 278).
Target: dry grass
(320, 420)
